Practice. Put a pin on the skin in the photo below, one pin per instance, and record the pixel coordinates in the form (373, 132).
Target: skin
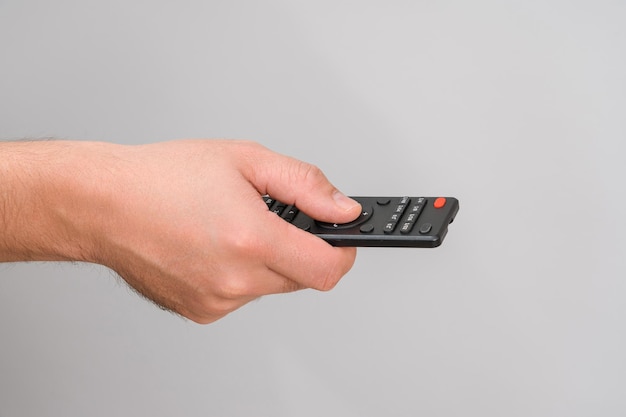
(182, 222)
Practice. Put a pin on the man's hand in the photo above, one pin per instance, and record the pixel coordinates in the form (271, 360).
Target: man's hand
(182, 222)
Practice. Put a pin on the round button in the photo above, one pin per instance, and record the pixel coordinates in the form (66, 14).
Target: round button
(439, 202)
(367, 228)
(383, 201)
(425, 228)
(365, 215)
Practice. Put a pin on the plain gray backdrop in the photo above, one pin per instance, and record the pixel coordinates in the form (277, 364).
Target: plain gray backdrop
(518, 108)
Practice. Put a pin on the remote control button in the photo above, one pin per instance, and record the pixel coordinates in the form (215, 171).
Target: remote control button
(411, 217)
(404, 200)
(278, 209)
(383, 201)
(268, 200)
(395, 217)
(416, 209)
(365, 216)
(389, 227)
(439, 202)
(367, 228)
(407, 227)
(425, 228)
(290, 213)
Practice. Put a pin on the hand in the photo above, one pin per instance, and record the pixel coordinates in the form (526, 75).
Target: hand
(184, 223)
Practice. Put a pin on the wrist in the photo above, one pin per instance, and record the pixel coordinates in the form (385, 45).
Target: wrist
(46, 206)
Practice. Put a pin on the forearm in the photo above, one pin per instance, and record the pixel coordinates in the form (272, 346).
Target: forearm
(42, 187)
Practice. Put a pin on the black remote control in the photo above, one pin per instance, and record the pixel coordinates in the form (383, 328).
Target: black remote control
(417, 222)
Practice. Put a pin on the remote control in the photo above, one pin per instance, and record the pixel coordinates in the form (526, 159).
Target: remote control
(417, 222)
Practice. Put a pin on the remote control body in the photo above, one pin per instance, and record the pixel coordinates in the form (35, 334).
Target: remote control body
(417, 222)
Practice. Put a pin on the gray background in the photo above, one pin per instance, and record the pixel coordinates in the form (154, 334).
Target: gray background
(515, 107)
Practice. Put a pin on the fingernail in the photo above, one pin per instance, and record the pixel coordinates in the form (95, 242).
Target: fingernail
(344, 202)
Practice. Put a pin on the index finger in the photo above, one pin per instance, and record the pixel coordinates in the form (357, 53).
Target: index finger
(304, 258)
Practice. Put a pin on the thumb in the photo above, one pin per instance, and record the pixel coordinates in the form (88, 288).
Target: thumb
(303, 185)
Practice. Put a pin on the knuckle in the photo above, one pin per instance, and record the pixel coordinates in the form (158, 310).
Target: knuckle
(290, 286)
(222, 306)
(248, 146)
(220, 295)
(311, 174)
(248, 150)
(204, 319)
(329, 280)
(336, 270)
(213, 308)
(232, 290)
(328, 283)
(243, 242)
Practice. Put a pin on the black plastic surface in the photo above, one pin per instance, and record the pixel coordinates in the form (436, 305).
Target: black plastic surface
(418, 223)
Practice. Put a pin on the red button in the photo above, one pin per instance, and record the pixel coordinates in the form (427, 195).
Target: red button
(439, 202)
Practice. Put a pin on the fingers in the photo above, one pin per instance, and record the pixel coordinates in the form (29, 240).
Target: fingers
(236, 291)
(274, 257)
(305, 185)
(293, 253)
(304, 258)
